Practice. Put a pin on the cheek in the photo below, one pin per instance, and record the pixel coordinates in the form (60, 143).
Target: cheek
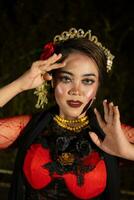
(60, 91)
(91, 93)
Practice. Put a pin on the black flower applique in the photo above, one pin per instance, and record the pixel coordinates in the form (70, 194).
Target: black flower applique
(71, 153)
(83, 147)
(62, 143)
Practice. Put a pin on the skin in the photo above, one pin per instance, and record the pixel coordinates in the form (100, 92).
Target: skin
(31, 79)
(115, 141)
(78, 81)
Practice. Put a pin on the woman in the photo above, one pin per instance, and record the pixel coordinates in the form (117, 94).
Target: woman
(56, 157)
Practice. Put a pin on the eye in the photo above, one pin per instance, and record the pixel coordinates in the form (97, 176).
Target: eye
(88, 81)
(65, 79)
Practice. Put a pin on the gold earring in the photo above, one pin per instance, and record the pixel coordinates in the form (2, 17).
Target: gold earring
(41, 92)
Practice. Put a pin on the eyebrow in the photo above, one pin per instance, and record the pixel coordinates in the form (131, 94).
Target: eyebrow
(89, 74)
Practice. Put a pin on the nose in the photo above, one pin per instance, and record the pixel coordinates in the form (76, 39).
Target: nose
(75, 90)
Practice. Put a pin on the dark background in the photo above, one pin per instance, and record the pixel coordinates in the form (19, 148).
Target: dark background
(26, 25)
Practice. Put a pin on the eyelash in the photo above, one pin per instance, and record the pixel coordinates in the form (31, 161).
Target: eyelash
(88, 81)
(66, 79)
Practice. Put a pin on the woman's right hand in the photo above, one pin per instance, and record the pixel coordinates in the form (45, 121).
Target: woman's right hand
(39, 72)
(32, 78)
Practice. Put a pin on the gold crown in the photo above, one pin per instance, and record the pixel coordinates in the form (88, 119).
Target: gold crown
(74, 33)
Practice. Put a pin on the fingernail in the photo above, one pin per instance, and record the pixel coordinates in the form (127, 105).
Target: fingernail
(59, 54)
(95, 110)
(111, 103)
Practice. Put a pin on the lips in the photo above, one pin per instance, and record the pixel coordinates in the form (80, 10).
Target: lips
(74, 104)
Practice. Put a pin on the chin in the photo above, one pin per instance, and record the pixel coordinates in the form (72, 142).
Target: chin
(72, 114)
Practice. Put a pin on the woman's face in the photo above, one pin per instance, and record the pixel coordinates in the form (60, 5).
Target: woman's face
(76, 85)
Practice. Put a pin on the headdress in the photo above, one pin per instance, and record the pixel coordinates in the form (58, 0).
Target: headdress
(49, 49)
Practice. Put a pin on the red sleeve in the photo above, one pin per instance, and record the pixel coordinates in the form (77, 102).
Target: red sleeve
(10, 129)
(129, 132)
(35, 173)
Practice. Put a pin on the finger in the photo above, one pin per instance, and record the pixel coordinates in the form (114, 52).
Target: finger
(45, 72)
(39, 63)
(46, 63)
(111, 113)
(106, 110)
(55, 66)
(54, 58)
(46, 68)
(37, 67)
(46, 76)
(116, 113)
(95, 139)
(99, 119)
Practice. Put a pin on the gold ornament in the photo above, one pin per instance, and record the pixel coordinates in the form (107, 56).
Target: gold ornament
(74, 33)
(41, 92)
(74, 125)
(66, 158)
(78, 120)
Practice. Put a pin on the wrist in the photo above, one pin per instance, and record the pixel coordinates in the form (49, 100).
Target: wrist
(128, 152)
(18, 86)
(21, 82)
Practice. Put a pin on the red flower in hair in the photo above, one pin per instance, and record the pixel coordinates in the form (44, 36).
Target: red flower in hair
(48, 51)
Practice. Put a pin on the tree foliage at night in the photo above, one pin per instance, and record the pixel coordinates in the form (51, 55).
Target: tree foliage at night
(27, 25)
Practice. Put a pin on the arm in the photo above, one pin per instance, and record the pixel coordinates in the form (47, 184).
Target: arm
(10, 129)
(32, 78)
(115, 141)
(8, 92)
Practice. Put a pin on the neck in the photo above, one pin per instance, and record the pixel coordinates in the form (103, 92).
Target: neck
(63, 116)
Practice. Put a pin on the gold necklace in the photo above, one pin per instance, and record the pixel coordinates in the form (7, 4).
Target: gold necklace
(79, 120)
(74, 125)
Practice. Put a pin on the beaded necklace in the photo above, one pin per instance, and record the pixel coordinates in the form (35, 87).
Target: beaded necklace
(74, 125)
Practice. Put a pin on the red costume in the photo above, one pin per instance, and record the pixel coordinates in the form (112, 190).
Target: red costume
(55, 166)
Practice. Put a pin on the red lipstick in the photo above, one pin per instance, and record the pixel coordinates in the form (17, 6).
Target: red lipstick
(74, 104)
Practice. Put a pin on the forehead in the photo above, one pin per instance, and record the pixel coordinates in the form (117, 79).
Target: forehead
(80, 63)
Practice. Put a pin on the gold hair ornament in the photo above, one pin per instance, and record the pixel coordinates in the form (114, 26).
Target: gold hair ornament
(74, 33)
(49, 48)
